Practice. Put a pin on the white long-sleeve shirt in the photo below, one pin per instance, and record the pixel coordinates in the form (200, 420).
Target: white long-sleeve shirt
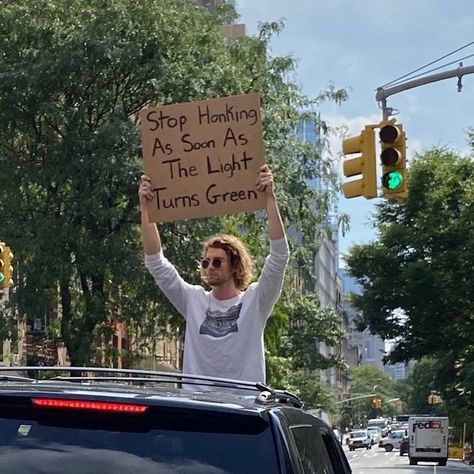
(224, 338)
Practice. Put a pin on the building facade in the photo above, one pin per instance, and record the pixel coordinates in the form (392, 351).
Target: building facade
(325, 265)
(365, 348)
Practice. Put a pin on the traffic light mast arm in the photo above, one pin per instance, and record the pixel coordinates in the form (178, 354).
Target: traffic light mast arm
(368, 395)
(382, 94)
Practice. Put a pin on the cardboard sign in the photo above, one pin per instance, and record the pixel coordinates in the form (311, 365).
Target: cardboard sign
(203, 157)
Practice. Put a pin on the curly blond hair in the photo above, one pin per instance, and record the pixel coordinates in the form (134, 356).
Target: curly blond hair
(240, 260)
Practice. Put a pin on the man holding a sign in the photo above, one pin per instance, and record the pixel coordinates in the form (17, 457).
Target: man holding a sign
(224, 326)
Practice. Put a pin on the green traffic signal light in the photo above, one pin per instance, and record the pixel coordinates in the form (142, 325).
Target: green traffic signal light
(393, 159)
(2, 277)
(392, 180)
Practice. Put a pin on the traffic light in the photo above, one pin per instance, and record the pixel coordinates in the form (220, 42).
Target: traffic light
(2, 263)
(376, 403)
(434, 399)
(363, 165)
(6, 269)
(393, 159)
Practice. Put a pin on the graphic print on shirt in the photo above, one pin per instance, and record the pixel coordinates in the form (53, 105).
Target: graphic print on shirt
(219, 324)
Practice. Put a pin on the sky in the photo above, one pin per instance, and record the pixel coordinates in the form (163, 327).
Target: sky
(360, 45)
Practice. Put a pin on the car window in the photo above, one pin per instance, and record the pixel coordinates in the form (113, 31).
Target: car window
(311, 450)
(336, 454)
(167, 442)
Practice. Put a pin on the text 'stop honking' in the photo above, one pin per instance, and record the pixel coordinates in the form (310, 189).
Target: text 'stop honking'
(203, 157)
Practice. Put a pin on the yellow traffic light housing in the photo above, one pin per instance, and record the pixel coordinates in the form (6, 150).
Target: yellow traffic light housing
(2, 263)
(6, 268)
(363, 165)
(434, 399)
(376, 403)
(393, 159)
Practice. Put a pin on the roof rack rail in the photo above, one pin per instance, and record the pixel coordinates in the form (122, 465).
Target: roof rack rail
(142, 377)
(15, 378)
(279, 396)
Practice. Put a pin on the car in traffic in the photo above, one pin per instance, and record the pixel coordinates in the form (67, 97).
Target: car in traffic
(393, 440)
(359, 439)
(375, 433)
(99, 420)
(381, 423)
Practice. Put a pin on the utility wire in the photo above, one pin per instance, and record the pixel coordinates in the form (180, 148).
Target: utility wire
(426, 65)
(393, 83)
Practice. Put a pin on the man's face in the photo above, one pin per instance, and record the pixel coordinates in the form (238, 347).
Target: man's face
(218, 271)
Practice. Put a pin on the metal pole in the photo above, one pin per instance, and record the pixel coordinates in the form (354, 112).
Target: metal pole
(356, 398)
(382, 94)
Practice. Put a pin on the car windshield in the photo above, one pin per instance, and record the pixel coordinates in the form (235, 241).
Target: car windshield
(91, 445)
(358, 434)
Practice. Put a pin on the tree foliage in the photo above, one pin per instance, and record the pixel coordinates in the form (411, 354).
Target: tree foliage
(417, 280)
(423, 381)
(309, 386)
(73, 82)
(373, 383)
(297, 331)
(311, 326)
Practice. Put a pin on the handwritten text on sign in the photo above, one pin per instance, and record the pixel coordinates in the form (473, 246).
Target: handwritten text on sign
(203, 157)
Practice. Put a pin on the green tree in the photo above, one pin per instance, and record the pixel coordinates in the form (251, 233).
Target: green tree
(311, 325)
(416, 278)
(73, 82)
(294, 359)
(315, 393)
(423, 381)
(370, 381)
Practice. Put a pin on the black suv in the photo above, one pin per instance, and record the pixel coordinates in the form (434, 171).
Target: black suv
(92, 421)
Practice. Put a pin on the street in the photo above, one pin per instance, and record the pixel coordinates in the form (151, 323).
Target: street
(376, 460)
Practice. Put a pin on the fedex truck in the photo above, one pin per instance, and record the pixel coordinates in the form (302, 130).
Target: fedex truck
(428, 439)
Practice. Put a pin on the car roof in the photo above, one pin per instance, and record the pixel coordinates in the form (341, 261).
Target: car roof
(149, 387)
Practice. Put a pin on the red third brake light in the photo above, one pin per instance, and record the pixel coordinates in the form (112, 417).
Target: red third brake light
(85, 405)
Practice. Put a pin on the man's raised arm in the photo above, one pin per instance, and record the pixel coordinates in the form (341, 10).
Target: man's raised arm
(150, 235)
(265, 183)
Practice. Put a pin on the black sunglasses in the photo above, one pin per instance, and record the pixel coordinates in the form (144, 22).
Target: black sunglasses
(216, 262)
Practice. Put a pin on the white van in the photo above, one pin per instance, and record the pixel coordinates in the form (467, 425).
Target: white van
(393, 440)
(381, 423)
(428, 439)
